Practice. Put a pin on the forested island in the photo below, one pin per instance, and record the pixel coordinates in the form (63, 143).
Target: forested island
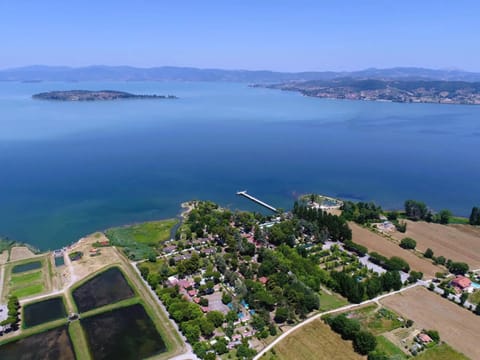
(412, 91)
(87, 95)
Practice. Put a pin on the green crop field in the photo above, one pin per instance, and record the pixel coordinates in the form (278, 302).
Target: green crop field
(28, 290)
(389, 348)
(19, 280)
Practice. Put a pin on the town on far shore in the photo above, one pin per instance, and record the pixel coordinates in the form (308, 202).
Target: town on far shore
(330, 277)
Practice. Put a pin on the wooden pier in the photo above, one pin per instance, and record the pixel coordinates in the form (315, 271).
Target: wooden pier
(254, 199)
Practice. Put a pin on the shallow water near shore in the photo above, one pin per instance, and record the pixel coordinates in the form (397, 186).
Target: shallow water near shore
(71, 168)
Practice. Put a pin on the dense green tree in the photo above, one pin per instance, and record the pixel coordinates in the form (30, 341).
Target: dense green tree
(458, 268)
(434, 335)
(416, 210)
(281, 315)
(414, 276)
(231, 316)
(408, 243)
(364, 342)
(345, 326)
(443, 217)
(428, 253)
(373, 286)
(475, 216)
(216, 317)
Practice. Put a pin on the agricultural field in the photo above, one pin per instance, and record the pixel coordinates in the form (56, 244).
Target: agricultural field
(456, 242)
(456, 325)
(315, 341)
(26, 278)
(441, 352)
(383, 246)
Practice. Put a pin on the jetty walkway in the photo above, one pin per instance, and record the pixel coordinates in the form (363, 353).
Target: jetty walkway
(254, 199)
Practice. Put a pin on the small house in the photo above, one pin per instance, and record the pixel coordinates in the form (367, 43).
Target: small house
(424, 338)
(462, 283)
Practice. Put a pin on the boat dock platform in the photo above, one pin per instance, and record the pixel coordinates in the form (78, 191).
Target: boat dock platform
(254, 199)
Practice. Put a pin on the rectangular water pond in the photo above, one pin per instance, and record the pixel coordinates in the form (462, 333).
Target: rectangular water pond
(43, 311)
(27, 267)
(108, 287)
(127, 333)
(59, 261)
(53, 344)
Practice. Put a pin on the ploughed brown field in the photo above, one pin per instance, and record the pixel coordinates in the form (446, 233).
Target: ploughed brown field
(456, 242)
(457, 326)
(385, 247)
(315, 341)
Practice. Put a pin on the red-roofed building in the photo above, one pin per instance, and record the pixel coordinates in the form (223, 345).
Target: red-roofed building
(185, 283)
(424, 338)
(192, 292)
(462, 283)
(205, 309)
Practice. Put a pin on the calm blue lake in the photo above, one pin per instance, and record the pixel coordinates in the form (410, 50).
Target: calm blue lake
(68, 169)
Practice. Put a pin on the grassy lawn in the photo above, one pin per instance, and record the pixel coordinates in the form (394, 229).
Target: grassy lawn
(28, 290)
(19, 280)
(314, 341)
(149, 233)
(80, 345)
(386, 346)
(330, 302)
(441, 352)
(138, 241)
(458, 220)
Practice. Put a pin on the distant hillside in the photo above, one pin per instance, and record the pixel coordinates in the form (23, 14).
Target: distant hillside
(128, 73)
(411, 90)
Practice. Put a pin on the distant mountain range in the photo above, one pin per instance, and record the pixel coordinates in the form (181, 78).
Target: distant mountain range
(128, 73)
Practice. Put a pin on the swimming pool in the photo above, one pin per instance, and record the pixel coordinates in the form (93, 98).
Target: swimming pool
(475, 285)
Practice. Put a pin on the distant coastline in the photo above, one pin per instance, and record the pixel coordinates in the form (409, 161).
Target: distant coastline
(402, 91)
(102, 95)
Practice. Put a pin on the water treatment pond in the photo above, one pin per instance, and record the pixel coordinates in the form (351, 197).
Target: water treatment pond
(59, 261)
(43, 311)
(26, 267)
(108, 287)
(50, 345)
(127, 333)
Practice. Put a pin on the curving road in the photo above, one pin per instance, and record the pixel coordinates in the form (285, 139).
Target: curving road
(317, 316)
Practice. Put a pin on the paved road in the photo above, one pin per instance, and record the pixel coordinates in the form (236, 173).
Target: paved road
(188, 354)
(317, 316)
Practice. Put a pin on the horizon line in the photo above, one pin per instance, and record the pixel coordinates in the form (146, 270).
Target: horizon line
(451, 69)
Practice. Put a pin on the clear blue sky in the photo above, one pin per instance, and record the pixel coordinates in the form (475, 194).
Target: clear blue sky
(282, 35)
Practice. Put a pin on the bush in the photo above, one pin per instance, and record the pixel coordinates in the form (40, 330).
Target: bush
(408, 243)
(433, 334)
(281, 315)
(356, 248)
(428, 253)
(414, 276)
(439, 260)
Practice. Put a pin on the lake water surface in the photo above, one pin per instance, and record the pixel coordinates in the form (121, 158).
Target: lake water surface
(68, 169)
